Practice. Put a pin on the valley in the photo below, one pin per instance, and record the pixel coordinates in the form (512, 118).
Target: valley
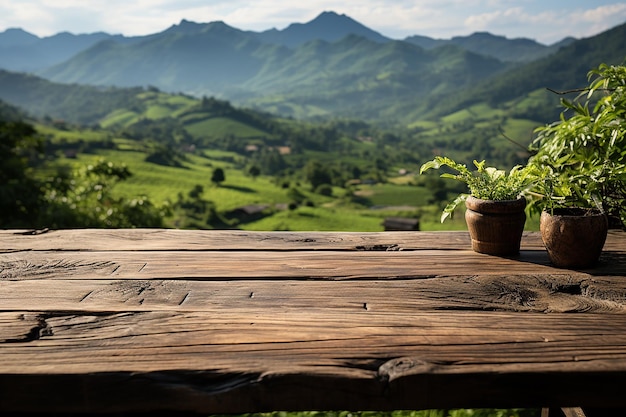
(310, 132)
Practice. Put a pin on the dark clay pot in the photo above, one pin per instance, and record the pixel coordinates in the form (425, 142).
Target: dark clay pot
(495, 226)
(574, 238)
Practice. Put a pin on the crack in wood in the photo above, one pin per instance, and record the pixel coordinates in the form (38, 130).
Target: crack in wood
(184, 299)
(33, 232)
(142, 292)
(39, 330)
(85, 296)
(16, 270)
(568, 288)
(379, 247)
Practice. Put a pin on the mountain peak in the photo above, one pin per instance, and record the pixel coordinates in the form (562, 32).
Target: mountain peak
(188, 27)
(16, 36)
(328, 18)
(327, 26)
(329, 14)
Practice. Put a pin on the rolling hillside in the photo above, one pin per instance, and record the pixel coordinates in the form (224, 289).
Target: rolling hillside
(564, 70)
(329, 67)
(331, 76)
(360, 75)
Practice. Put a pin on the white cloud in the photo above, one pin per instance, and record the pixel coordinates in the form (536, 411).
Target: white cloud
(550, 25)
(596, 20)
(538, 19)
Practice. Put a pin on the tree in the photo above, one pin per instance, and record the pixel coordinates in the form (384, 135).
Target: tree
(317, 174)
(254, 171)
(68, 198)
(20, 195)
(218, 176)
(83, 198)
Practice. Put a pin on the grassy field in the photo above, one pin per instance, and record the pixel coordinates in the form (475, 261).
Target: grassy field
(365, 210)
(162, 184)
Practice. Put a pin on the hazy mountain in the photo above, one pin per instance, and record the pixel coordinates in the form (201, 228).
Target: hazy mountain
(328, 26)
(183, 58)
(564, 70)
(23, 51)
(357, 75)
(75, 103)
(360, 78)
(500, 47)
(16, 37)
(218, 60)
(394, 81)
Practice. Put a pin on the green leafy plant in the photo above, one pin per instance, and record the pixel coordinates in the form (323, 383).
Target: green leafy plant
(485, 183)
(582, 156)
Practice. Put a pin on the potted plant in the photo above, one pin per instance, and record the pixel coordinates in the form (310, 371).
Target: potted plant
(582, 161)
(573, 223)
(495, 207)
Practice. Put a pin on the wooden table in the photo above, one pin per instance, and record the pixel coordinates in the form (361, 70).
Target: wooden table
(148, 320)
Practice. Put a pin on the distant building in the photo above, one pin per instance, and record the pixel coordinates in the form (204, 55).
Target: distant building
(401, 224)
(248, 213)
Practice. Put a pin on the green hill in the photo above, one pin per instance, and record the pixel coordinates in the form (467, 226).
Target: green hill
(335, 67)
(176, 177)
(562, 71)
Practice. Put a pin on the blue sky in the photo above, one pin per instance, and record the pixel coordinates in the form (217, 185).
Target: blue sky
(546, 21)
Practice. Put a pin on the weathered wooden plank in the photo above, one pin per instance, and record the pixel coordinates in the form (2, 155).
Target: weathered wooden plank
(279, 264)
(172, 239)
(260, 264)
(530, 293)
(206, 361)
(230, 321)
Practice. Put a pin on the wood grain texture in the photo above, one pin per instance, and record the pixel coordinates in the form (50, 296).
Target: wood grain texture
(230, 322)
(529, 293)
(180, 240)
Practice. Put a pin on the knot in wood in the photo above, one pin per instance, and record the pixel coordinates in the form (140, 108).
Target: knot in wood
(404, 366)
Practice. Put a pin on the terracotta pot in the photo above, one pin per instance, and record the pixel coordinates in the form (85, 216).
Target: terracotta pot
(574, 238)
(495, 226)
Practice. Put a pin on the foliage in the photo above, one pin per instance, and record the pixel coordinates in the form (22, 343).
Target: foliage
(218, 176)
(19, 196)
(80, 197)
(254, 171)
(486, 183)
(195, 212)
(582, 156)
(324, 189)
(317, 174)
(83, 198)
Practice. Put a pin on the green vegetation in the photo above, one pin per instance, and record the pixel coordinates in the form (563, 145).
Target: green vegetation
(62, 197)
(582, 155)
(182, 181)
(141, 157)
(200, 162)
(486, 183)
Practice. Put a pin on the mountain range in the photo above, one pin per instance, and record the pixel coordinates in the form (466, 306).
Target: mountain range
(23, 51)
(330, 66)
